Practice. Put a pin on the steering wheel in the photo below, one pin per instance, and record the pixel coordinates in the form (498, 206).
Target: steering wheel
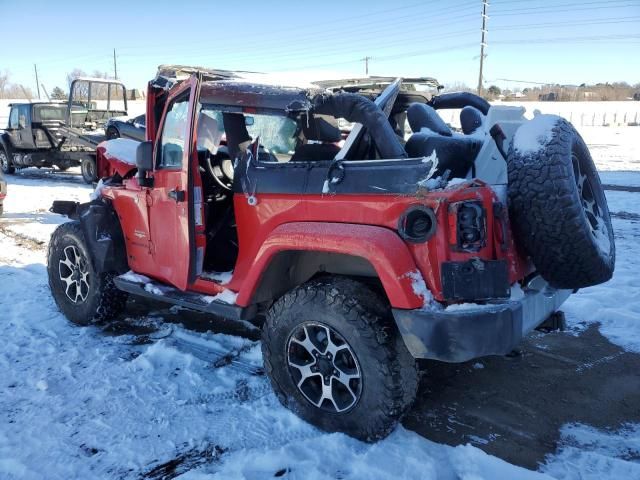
(220, 167)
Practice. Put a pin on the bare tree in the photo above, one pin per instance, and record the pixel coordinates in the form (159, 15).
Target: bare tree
(13, 90)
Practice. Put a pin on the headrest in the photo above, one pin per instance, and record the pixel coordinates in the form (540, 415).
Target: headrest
(321, 128)
(209, 133)
(470, 119)
(423, 116)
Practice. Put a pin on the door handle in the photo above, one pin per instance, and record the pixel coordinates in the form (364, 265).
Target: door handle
(177, 195)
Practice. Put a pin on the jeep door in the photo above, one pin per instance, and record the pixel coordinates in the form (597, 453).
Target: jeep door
(170, 203)
(24, 132)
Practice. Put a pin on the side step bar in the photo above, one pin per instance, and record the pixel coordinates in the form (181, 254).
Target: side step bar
(190, 300)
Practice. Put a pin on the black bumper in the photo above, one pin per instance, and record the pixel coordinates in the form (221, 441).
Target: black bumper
(462, 333)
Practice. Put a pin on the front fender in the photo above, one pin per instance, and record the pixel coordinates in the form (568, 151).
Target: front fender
(102, 232)
(381, 247)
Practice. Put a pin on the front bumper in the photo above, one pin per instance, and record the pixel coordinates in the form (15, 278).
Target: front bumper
(462, 333)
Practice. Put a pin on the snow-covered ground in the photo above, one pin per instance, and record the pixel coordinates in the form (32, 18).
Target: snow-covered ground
(167, 402)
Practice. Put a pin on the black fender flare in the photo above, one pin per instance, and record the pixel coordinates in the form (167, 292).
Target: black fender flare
(102, 230)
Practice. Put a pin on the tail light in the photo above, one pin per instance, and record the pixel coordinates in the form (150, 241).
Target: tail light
(42, 141)
(470, 226)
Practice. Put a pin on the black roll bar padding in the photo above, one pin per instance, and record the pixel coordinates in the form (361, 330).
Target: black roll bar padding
(460, 100)
(358, 109)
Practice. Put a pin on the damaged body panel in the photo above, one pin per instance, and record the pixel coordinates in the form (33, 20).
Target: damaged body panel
(347, 218)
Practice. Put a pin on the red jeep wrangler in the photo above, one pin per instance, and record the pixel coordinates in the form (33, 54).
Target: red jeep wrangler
(358, 250)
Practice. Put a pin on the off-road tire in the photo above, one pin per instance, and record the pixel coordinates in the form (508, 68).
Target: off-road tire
(389, 372)
(112, 133)
(88, 169)
(103, 302)
(550, 217)
(5, 162)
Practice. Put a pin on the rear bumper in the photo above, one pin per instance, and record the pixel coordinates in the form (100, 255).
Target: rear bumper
(460, 334)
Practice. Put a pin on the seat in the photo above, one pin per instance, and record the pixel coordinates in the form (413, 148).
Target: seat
(470, 120)
(318, 128)
(455, 152)
(422, 116)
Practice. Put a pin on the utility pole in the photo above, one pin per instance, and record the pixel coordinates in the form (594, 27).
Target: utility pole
(37, 81)
(115, 65)
(366, 65)
(482, 43)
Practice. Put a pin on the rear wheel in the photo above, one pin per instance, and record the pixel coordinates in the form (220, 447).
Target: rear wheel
(5, 162)
(558, 207)
(335, 358)
(88, 169)
(82, 293)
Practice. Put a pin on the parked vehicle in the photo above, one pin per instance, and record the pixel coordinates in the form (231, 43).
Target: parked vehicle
(356, 252)
(47, 134)
(3, 192)
(133, 128)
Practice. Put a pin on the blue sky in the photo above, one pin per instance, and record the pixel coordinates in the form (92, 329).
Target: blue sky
(566, 41)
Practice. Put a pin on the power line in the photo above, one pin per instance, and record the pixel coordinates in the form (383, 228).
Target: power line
(559, 8)
(603, 21)
(313, 30)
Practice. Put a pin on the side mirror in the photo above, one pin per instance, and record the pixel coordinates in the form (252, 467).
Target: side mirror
(144, 162)
(22, 121)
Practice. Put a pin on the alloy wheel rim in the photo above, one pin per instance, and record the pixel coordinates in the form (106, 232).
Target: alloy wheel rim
(74, 274)
(324, 367)
(592, 209)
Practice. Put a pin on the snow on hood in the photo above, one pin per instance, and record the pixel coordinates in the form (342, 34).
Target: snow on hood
(122, 149)
(533, 135)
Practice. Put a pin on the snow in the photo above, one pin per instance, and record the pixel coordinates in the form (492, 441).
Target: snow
(587, 453)
(420, 288)
(131, 276)
(85, 403)
(95, 195)
(226, 296)
(123, 149)
(26, 207)
(533, 135)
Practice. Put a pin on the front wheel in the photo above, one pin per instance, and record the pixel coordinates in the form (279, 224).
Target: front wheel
(335, 358)
(82, 293)
(5, 162)
(88, 169)
(112, 133)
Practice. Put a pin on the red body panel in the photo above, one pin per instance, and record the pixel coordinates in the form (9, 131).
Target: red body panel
(382, 247)
(359, 225)
(162, 244)
(256, 225)
(111, 166)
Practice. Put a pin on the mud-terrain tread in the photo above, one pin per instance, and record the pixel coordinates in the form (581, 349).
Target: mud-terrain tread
(547, 215)
(364, 312)
(106, 303)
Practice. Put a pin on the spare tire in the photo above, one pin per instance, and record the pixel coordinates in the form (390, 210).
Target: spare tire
(557, 206)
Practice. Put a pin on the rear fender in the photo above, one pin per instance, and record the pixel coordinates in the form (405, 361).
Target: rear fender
(102, 231)
(381, 247)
